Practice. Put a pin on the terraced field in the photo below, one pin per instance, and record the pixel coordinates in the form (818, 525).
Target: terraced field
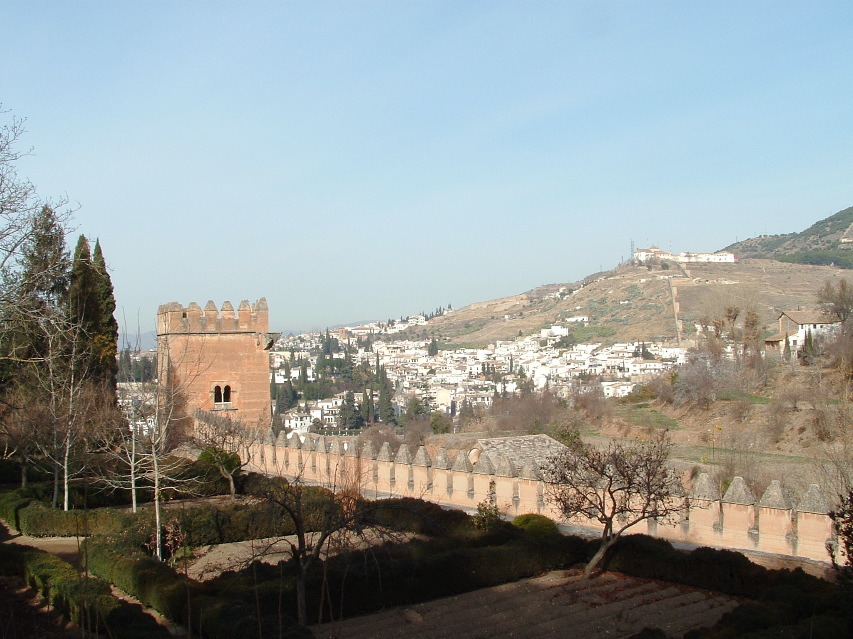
(555, 605)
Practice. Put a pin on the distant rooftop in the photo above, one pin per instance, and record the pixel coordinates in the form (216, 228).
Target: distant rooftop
(538, 448)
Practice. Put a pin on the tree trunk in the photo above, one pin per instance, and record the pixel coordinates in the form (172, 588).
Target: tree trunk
(133, 467)
(65, 479)
(301, 604)
(23, 474)
(158, 535)
(598, 557)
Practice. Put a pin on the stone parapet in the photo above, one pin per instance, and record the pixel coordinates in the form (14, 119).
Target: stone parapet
(736, 520)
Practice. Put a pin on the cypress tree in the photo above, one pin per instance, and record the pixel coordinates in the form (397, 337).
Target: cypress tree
(347, 414)
(366, 408)
(84, 302)
(106, 339)
(386, 407)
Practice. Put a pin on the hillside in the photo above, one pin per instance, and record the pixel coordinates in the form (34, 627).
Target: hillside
(821, 243)
(634, 302)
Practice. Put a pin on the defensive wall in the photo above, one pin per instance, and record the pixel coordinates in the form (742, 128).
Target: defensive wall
(738, 519)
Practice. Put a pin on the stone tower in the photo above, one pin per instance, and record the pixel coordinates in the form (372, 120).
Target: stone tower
(215, 361)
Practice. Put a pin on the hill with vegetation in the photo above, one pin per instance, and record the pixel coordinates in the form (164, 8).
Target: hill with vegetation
(821, 243)
(635, 302)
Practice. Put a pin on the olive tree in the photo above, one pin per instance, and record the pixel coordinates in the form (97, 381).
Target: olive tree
(619, 486)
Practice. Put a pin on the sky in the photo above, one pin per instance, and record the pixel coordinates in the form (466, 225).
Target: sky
(355, 160)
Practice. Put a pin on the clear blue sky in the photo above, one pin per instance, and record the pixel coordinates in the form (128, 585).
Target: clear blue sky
(365, 160)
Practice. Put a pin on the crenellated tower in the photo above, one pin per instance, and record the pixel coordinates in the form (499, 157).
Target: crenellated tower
(215, 361)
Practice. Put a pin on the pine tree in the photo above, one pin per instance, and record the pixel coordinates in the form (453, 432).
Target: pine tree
(45, 264)
(38, 289)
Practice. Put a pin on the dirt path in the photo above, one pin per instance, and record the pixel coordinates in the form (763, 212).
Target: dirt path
(209, 561)
(67, 548)
(554, 605)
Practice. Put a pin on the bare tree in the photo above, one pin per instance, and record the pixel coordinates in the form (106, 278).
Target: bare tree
(58, 378)
(324, 518)
(836, 300)
(138, 446)
(18, 202)
(619, 486)
(842, 519)
(22, 427)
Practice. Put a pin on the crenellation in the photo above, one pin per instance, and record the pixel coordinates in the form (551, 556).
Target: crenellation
(249, 318)
(404, 455)
(227, 317)
(244, 316)
(421, 457)
(735, 521)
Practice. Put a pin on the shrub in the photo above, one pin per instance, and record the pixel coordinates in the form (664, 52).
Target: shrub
(86, 601)
(38, 520)
(488, 515)
(536, 525)
(11, 502)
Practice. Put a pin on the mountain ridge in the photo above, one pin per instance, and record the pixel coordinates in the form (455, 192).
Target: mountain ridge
(828, 241)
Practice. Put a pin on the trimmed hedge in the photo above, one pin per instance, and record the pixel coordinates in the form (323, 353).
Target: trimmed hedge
(38, 520)
(86, 601)
(11, 503)
(219, 613)
(152, 582)
(536, 525)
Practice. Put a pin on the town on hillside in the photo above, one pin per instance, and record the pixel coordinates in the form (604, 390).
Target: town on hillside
(447, 380)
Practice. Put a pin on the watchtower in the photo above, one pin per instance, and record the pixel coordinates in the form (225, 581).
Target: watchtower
(215, 361)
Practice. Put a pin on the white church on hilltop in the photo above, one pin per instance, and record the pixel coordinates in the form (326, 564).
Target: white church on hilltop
(654, 254)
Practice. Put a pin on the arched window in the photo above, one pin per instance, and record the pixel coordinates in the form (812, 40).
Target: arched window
(226, 395)
(217, 394)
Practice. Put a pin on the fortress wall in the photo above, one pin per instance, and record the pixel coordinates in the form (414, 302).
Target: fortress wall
(442, 485)
(737, 525)
(779, 529)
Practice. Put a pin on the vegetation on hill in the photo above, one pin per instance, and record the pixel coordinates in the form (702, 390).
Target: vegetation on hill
(818, 244)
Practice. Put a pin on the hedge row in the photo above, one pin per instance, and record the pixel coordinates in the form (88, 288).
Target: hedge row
(38, 520)
(11, 503)
(216, 614)
(86, 601)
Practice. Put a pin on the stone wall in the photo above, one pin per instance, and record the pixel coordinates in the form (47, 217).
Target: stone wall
(772, 523)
